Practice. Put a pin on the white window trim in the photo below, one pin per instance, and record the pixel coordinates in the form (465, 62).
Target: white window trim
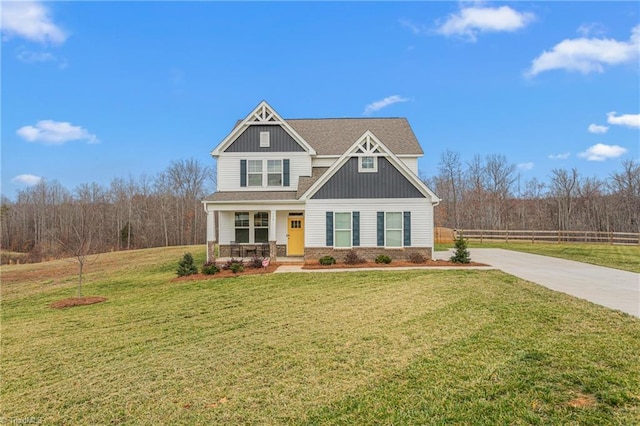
(252, 227)
(281, 173)
(335, 229)
(235, 227)
(253, 216)
(362, 169)
(401, 229)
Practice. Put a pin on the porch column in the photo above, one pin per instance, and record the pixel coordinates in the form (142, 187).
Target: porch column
(211, 235)
(273, 248)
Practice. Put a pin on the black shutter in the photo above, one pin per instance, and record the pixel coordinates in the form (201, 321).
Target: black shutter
(380, 228)
(329, 229)
(285, 174)
(407, 229)
(243, 172)
(356, 228)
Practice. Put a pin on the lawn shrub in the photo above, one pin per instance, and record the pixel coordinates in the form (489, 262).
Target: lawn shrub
(352, 258)
(237, 267)
(327, 260)
(210, 268)
(255, 262)
(383, 258)
(229, 263)
(186, 266)
(461, 255)
(417, 258)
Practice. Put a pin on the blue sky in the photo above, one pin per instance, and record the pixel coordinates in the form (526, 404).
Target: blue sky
(92, 91)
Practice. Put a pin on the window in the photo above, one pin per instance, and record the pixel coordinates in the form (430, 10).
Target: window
(254, 172)
(342, 230)
(242, 227)
(368, 164)
(264, 140)
(274, 172)
(393, 229)
(261, 227)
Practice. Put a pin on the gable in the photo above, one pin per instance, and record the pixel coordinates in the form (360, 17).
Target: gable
(249, 140)
(387, 182)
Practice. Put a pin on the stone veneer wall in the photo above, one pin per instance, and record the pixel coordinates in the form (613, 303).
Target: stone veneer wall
(225, 250)
(368, 253)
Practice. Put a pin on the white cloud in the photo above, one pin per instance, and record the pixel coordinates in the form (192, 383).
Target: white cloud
(630, 120)
(562, 156)
(592, 28)
(470, 21)
(30, 20)
(383, 103)
(26, 179)
(601, 152)
(526, 166)
(587, 55)
(596, 128)
(51, 132)
(30, 57)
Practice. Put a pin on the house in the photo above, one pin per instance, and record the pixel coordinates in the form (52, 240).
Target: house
(315, 187)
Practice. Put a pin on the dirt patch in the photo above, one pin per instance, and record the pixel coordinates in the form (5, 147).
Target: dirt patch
(393, 264)
(76, 301)
(582, 401)
(225, 273)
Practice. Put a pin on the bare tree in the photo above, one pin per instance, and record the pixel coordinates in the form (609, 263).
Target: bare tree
(564, 188)
(450, 169)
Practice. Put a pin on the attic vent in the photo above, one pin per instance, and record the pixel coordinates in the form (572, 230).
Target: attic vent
(264, 140)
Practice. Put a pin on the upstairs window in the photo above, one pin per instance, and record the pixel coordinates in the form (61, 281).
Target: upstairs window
(254, 172)
(274, 172)
(367, 164)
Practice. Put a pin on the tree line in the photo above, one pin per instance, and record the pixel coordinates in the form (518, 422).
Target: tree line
(488, 193)
(47, 220)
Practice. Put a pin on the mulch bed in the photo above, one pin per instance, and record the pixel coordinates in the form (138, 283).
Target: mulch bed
(393, 264)
(229, 274)
(76, 301)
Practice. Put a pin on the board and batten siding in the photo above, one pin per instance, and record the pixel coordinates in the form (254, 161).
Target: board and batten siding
(421, 219)
(279, 140)
(348, 182)
(229, 169)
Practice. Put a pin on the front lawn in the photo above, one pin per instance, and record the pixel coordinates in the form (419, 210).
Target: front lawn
(391, 347)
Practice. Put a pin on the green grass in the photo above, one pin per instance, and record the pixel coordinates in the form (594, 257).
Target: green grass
(414, 347)
(614, 256)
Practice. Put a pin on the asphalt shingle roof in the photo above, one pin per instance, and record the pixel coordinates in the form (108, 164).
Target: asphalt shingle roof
(251, 196)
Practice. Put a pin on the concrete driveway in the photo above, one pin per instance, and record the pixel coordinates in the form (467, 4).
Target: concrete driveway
(608, 287)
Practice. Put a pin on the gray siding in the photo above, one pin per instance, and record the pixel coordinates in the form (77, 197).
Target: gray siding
(387, 182)
(249, 140)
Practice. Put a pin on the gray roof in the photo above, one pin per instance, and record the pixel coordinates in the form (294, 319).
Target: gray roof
(252, 196)
(333, 136)
(305, 182)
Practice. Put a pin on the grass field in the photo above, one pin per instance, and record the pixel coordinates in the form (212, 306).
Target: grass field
(414, 347)
(614, 256)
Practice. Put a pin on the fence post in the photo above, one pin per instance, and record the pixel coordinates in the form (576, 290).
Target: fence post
(533, 236)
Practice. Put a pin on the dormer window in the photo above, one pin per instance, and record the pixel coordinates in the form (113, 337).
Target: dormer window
(367, 164)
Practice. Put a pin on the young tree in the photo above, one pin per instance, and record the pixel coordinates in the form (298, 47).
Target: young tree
(461, 255)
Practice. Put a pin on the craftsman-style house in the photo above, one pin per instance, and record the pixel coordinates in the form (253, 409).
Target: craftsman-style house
(315, 187)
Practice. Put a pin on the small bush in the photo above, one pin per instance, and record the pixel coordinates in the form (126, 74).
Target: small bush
(352, 258)
(186, 266)
(210, 268)
(229, 263)
(327, 260)
(255, 262)
(237, 267)
(383, 258)
(461, 255)
(417, 258)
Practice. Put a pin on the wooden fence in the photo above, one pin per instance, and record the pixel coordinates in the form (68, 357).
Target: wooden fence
(481, 235)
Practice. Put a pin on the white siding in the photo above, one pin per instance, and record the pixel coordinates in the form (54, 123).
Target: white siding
(229, 169)
(227, 227)
(421, 219)
(324, 162)
(411, 163)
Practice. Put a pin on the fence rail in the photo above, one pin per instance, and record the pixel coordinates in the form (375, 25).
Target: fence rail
(628, 238)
